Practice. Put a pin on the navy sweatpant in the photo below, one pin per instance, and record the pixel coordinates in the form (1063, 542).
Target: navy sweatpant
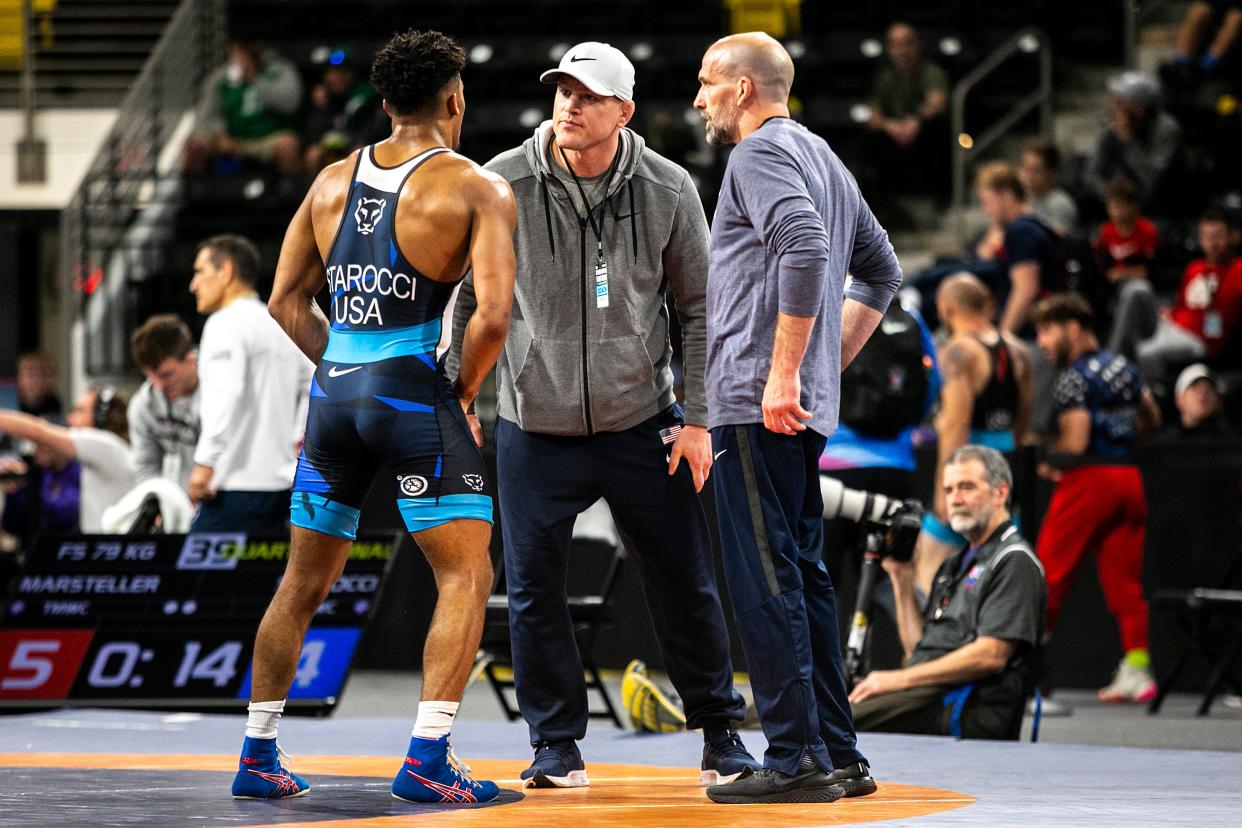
(544, 482)
(771, 535)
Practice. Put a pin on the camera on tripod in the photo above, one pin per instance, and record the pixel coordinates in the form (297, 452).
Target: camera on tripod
(895, 523)
(892, 529)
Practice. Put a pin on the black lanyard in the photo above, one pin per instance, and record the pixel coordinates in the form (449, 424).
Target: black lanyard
(586, 203)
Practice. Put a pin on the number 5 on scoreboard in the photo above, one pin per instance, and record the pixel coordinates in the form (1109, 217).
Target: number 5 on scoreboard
(40, 664)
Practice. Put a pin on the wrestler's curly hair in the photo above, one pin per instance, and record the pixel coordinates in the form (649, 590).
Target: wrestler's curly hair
(413, 67)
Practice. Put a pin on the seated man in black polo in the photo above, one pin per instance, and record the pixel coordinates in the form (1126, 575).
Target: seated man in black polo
(970, 655)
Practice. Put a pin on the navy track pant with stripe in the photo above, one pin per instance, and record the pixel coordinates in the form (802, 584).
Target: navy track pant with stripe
(544, 481)
(771, 534)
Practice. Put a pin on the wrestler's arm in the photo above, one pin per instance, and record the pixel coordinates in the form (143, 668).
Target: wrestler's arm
(494, 268)
(299, 277)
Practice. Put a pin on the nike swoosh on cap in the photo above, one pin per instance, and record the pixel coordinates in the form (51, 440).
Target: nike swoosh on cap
(575, 59)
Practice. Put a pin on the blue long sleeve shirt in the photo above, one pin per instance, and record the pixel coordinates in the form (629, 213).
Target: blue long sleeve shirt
(789, 224)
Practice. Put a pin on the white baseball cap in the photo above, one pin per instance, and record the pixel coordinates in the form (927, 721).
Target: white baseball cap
(1136, 86)
(597, 66)
(1192, 374)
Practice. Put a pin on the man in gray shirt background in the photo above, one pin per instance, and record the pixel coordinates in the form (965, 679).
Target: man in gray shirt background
(789, 223)
(163, 414)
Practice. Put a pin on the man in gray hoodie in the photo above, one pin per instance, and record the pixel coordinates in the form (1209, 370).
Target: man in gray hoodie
(606, 227)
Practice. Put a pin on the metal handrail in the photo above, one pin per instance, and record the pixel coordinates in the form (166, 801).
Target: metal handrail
(965, 147)
(125, 173)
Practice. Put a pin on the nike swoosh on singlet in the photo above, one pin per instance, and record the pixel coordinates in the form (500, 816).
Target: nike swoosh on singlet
(334, 372)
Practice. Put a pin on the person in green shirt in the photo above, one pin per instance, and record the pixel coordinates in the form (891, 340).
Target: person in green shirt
(908, 102)
(247, 110)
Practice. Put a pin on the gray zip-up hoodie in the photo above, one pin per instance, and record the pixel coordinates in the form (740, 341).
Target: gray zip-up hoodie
(568, 366)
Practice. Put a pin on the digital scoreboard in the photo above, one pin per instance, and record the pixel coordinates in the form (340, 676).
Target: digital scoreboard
(169, 620)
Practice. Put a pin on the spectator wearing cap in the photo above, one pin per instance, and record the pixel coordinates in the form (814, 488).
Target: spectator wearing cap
(1196, 395)
(1141, 139)
(608, 231)
(344, 112)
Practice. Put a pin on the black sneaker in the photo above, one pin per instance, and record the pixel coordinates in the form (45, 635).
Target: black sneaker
(556, 765)
(724, 758)
(854, 779)
(767, 786)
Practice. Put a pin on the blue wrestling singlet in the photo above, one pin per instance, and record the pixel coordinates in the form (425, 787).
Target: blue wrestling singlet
(379, 394)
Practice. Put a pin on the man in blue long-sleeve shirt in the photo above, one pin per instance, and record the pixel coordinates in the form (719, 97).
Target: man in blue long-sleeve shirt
(789, 223)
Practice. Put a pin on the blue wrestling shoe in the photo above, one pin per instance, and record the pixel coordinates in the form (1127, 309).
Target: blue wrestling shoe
(433, 773)
(261, 773)
(724, 758)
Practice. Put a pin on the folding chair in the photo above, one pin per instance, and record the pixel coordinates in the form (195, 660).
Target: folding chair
(595, 538)
(1212, 621)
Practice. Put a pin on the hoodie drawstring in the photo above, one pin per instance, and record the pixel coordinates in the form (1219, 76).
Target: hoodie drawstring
(629, 182)
(547, 214)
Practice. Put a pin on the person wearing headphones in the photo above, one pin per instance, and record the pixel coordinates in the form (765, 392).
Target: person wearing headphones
(96, 437)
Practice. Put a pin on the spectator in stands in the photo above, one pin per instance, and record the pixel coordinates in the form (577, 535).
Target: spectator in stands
(985, 399)
(344, 113)
(1125, 245)
(163, 414)
(1125, 248)
(1199, 415)
(970, 649)
(1041, 161)
(1141, 139)
(254, 384)
(908, 101)
(1030, 251)
(1098, 502)
(1207, 308)
(36, 386)
(95, 438)
(247, 110)
(1217, 23)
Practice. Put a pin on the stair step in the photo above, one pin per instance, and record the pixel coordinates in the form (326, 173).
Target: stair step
(131, 46)
(87, 28)
(103, 63)
(92, 80)
(115, 11)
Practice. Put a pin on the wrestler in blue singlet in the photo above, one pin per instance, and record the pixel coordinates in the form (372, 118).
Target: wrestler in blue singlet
(379, 394)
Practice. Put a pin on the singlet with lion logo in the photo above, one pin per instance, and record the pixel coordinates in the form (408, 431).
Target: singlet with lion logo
(374, 288)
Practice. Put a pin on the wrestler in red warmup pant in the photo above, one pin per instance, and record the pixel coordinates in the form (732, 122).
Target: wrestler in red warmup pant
(1099, 508)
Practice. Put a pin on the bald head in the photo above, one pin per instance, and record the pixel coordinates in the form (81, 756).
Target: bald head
(964, 292)
(757, 56)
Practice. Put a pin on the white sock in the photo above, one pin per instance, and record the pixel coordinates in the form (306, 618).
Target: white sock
(435, 719)
(263, 718)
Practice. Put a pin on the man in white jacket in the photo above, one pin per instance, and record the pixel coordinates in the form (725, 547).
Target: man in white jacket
(254, 385)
